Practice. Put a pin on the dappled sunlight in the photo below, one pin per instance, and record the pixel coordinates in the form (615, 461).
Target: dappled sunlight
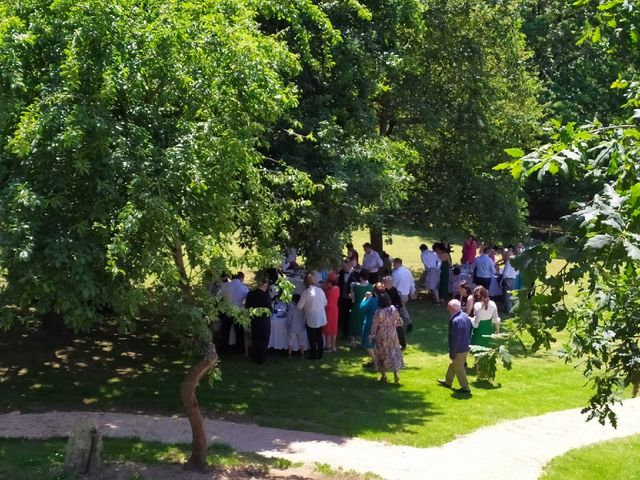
(336, 396)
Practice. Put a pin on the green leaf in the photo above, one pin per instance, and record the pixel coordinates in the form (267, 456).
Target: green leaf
(504, 166)
(632, 250)
(599, 241)
(635, 192)
(514, 152)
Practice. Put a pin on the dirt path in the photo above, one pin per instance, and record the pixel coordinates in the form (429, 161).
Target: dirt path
(512, 449)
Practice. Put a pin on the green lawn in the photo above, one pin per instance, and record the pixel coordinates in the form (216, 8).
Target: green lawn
(22, 459)
(142, 372)
(613, 460)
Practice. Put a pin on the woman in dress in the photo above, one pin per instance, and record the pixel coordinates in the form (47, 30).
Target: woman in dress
(369, 305)
(466, 298)
(356, 318)
(387, 351)
(330, 330)
(445, 263)
(469, 250)
(485, 317)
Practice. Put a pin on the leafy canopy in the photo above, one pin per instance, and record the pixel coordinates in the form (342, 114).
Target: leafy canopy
(130, 149)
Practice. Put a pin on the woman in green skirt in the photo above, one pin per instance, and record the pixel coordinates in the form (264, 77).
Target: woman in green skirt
(356, 319)
(445, 263)
(485, 317)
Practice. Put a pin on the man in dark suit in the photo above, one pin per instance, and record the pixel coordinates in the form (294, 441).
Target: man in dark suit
(459, 336)
(260, 321)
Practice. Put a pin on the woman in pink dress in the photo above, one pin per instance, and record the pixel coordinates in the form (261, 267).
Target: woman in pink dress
(469, 249)
(330, 330)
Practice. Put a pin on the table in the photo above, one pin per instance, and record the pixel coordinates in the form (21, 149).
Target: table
(495, 290)
(279, 338)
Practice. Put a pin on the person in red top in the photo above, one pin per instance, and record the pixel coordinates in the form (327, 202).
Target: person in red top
(330, 330)
(469, 249)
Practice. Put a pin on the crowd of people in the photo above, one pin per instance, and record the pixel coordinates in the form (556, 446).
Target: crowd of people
(366, 304)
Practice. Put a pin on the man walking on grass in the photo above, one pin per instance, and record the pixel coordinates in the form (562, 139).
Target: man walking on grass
(459, 335)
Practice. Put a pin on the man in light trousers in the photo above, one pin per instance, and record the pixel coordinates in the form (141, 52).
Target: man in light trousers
(459, 336)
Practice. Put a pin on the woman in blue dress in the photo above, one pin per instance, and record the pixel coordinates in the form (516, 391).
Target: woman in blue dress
(368, 306)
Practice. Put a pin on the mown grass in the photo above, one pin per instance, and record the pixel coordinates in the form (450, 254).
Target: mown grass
(141, 372)
(613, 460)
(44, 459)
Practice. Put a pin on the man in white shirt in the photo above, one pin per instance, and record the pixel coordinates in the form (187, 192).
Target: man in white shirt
(233, 293)
(509, 275)
(431, 263)
(313, 302)
(404, 282)
(371, 262)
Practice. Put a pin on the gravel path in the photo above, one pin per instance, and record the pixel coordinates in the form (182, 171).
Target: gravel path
(496, 452)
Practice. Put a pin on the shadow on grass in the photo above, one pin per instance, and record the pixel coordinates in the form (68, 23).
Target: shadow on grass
(430, 327)
(142, 372)
(486, 385)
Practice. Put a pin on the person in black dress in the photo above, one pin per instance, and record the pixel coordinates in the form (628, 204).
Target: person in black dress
(347, 275)
(396, 301)
(260, 323)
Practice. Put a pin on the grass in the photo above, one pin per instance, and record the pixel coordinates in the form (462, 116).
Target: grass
(44, 459)
(141, 372)
(614, 460)
(330, 472)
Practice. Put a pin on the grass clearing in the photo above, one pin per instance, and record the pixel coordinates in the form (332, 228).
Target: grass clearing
(44, 459)
(614, 460)
(142, 373)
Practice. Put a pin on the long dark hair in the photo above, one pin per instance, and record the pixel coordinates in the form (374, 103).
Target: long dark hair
(480, 294)
(384, 300)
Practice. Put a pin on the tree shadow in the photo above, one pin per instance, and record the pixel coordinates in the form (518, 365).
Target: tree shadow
(141, 373)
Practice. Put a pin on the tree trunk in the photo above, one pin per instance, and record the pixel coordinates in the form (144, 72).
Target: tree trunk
(375, 238)
(178, 258)
(198, 460)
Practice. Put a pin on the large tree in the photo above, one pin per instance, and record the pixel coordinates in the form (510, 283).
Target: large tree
(600, 240)
(129, 154)
(469, 90)
(340, 135)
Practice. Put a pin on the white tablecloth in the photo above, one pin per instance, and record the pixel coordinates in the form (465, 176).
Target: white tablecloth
(494, 289)
(279, 338)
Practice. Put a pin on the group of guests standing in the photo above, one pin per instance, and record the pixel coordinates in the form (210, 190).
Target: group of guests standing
(367, 304)
(479, 259)
(235, 296)
(368, 308)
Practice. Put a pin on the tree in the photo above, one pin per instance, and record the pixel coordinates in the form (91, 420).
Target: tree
(336, 135)
(467, 92)
(129, 153)
(600, 242)
(576, 75)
